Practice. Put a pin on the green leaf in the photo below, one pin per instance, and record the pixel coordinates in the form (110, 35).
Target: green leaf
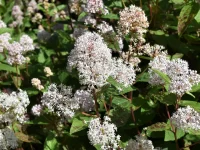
(62, 76)
(159, 126)
(138, 102)
(61, 7)
(2, 3)
(6, 30)
(169, 99)
(121, 102)
(26, 138)
(196, 88)
(9, 68)
(162, 75)
(177, 55)
(51, 142)
(169, 135)
(41, 57)
(83, 14)
(120, 87)
(193, 104)
(187, 14)
(77, 125)
(110, 16)
(190, 94)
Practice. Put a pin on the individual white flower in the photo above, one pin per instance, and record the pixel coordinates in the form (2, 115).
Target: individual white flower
(85, 99)
(48, 71)
(14, 106)
(141, 143)
(186, 118)
(132, 21)
(60, 100)
(123, 72)
(92, 58)
(2, 24)
(103, 134)
(36, 110)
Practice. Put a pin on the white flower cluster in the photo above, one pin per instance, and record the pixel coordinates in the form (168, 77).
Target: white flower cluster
(2, 24)
(186, 118)
(96, 6)
(182, 78)
(123, 72)
(92, 58)
(89, 20)
(32, 7)
(132, 21)
(36, 110)
(60, 100)
(85, 99)
(141, 143)
(104, 27)
(8, 139)
(13, 107)
(16, 49)
(94, 62)
(103, 134)
(37, 18)
(48, 71)
(17, 15)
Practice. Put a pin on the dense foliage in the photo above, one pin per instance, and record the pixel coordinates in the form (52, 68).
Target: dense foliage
(105, 75)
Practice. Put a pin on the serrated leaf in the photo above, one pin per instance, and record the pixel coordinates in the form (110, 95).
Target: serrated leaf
(160, 126)
(193, 104)
(187, 14)
(121, 102)
(110, 16)
(122, 89)
(77, 125)
(177, 55)
(9, 68)
(51, 142)
(162, 75)
(169, 135)
(26, 138)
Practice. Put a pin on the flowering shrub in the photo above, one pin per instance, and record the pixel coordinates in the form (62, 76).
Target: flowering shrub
(99, 74)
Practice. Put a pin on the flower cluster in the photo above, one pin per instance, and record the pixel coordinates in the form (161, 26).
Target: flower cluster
(104, 27)
(186, 118)
(182, 78)
(17, 15)
(123, 72)
(141, 143)
(60, 100)
(132, 21)
(92, 58)
(13, 107)
(37, 83)
(16, 49)
(95, 6)
(103, 134)
(32, 7)
(2, 24)
(36, 110)
(85, 99)
(8, 139)
(48, 71)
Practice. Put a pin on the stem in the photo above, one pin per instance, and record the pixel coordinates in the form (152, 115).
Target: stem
(109, 105)
(86, 114)
(174, 130)
(68, 9)
(190, 145)
(105, 106)
(96, 103)
(17, 75)
(140, 3)
(132, 112)
(123, 3)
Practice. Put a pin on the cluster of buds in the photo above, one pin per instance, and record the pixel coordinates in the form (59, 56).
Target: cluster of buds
(37, 83)
(37, 18)
(62, 15)
(17, 14)
(48, 72)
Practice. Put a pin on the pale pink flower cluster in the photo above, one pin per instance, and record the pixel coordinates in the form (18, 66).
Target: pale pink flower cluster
(37, 83)
(48, 72)
(2, 24)
(96, 6)
(17, 15)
